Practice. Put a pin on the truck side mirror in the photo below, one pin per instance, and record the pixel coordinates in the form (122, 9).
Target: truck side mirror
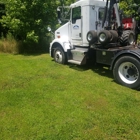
(49, 29)
(59, 15)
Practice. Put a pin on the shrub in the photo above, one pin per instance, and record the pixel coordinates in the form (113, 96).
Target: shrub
(10, 45)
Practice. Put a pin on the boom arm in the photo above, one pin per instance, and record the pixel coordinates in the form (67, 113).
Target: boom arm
(105, 14)
(113, 4)
(117, 13)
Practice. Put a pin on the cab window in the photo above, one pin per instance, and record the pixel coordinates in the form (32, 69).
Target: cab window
(76, 14)
(101, 13)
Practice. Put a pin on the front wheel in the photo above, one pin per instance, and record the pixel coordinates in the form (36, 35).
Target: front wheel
(127, 72)
(59, 56)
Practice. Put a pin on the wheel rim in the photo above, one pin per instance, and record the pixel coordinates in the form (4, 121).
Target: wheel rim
(128, 72)
(89, 37)
(131, 39)
(102, 37)
(58, 56)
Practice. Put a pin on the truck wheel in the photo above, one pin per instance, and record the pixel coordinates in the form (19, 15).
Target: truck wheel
(104, 37)
(114, 36)
(127, 38)
(59, 56)
(92, 37)
(127, 72)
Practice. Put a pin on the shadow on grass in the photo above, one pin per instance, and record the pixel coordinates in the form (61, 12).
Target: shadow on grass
(98, 68)
(34, 54)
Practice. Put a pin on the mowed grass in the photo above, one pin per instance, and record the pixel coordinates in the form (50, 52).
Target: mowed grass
(43, 100)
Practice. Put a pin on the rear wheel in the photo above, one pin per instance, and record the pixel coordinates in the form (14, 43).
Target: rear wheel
(127, 38)
(127, 72)
(59, 56)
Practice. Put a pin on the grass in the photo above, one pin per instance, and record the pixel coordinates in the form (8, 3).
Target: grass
(43, 100)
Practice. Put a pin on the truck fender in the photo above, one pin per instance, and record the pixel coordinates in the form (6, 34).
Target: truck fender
(134, 53)
(64, 44)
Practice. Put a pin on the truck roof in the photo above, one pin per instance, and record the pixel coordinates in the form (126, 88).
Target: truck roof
(89, 2)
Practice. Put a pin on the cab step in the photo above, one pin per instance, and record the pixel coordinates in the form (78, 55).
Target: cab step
(77, 56)
(74, 62)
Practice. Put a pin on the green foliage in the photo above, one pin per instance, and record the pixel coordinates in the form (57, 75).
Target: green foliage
(130, 7)
(31, 36)
(66, 2)
(28, 20)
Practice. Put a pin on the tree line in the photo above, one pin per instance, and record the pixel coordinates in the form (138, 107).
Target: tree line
(28, 20)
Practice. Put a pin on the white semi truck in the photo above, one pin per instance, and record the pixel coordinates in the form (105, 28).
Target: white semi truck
(95, 32)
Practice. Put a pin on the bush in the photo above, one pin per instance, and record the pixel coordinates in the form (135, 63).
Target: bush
(10, 45)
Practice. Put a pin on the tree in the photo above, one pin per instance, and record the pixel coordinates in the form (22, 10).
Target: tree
(28, 19)
(130, 7)
(2, 12)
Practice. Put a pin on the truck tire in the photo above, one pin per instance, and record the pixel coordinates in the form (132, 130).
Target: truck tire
(114, 36)
(127, 38)
(59, 56)
(92, 37)
(126, 71)
(104, 37)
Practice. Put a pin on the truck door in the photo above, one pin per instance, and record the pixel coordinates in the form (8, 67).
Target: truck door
(100, 14)
(76, 30)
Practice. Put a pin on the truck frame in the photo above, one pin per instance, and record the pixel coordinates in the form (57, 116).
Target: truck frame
(94, 33)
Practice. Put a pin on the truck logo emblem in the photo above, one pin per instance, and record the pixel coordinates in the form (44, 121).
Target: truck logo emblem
(75, 27)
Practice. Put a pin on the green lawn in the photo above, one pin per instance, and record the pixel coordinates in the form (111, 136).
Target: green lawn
(43, 100)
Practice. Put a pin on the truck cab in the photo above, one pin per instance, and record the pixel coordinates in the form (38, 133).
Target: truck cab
(86, 15)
